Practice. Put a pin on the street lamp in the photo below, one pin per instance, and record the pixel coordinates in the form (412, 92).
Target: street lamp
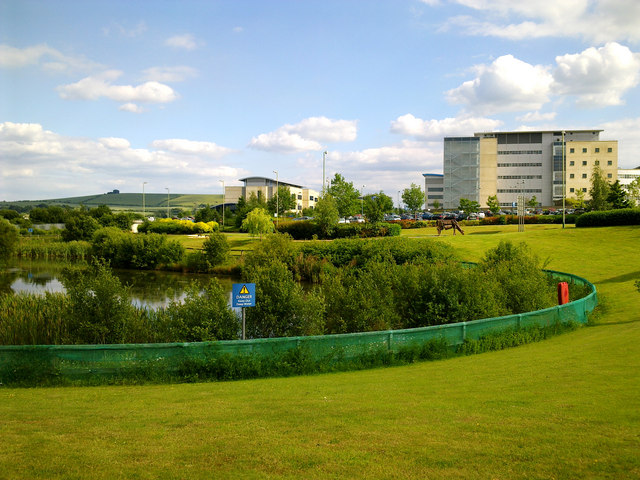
(398, 202)
(223, 202)
(277, 199)
(362, 202)
(168, 202)
(324, 158)
(144, 214)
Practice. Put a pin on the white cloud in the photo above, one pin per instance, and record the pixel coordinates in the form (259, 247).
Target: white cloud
(626, 132)
(593, 20)
(306, 135)
(533, 117)
(437, 129)
(125, 31)
(507, 84)
(37, 163)
(185, 41)
(42, 55)
(97, 86)
(190, 147)
(131, 107)
(598, 76)
(169, 74)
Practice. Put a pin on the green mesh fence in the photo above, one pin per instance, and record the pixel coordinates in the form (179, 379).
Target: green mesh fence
(46, 362)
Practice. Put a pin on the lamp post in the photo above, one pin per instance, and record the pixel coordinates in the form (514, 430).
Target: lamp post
(223, 202)
(168, 202)
(362, 202)
(564, 181)
(324, 158)
(398, 202)
(144, 212)
(277, 199)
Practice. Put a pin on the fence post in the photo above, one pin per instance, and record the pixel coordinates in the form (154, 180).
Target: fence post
(389, 340)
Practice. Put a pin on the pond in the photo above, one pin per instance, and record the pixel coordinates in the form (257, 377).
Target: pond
(148, 288)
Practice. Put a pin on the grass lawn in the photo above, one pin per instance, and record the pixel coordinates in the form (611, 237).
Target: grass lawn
(568, 407)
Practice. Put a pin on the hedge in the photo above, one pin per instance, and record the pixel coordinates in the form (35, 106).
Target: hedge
(609, 218)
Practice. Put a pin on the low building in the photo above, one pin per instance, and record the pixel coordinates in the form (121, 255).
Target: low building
(433, 190)
(265, 188)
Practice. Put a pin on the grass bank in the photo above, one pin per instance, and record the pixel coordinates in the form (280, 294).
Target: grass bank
(563, 408)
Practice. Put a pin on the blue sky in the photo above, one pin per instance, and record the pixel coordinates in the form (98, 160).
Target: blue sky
(98, 95)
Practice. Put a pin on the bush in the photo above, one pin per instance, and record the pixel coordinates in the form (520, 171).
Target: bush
(170, 226)
(609, 218)
(8, 240)
(299, 230)
(79, 227)
(216, 248)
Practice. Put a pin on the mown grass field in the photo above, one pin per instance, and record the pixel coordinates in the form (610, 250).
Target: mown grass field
(568, 407)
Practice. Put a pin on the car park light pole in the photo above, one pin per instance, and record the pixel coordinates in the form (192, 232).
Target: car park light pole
(144, 214)
(278, 197)
(223, 202)
(168, 202)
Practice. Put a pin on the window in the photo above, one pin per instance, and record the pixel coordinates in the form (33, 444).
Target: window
(609, 150)
(584, 150)
(572, 163)
(571, 175)
(584, 163)
(572, 150)
(299, 197)
(609, 175)
(584, 175)
(571, 189)
(609, 162)
(597, 162)
(311, 198)
(597, 150)
(584, 190)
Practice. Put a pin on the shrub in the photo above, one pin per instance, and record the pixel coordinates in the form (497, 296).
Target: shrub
(170, 226)
(299, 230)
(203, 316)
(607, 218)
(216, 248)
(79, 227)
(8, 240)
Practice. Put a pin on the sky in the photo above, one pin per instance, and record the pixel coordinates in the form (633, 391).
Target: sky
(186, 95)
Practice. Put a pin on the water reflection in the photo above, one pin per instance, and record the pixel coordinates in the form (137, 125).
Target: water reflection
(150, 289)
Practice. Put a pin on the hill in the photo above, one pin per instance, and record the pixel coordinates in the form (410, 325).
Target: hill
(123, 201)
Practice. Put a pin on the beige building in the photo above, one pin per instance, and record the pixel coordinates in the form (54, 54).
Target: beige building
(524, 164)
(266, 188)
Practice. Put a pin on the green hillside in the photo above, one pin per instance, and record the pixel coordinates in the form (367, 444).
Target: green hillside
(125, 201)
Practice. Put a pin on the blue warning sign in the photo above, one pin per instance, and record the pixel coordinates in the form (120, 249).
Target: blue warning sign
(243, 295)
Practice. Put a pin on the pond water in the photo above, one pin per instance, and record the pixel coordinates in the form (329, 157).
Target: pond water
(151, 289)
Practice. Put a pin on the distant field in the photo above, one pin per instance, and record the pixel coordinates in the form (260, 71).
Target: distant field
(565, 408)
(131, 201)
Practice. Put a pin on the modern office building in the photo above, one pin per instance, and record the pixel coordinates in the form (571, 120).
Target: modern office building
(528, 164)
(433, 190)
(626, 176)
(266, 188)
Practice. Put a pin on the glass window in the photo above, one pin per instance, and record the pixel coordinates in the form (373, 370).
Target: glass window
(609, 150)
(584, 175)
(584, 190)
(572, 150)
(584, 150)
(609, 175)
(571, 175)
(597, 162)
(597, 150)
(572, 163)
(609, 162)
(584, 162)
(571, 189)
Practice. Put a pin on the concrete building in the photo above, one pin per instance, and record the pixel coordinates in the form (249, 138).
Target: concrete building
(266, 188)
(626, 176)
(512, 164)
(433, 190)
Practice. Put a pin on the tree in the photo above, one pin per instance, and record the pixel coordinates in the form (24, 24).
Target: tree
(245, 206)
(284, 200)
(258, 222)
(216, 248)
(8, 240)
(533, 202)
(599, 190)
(413, 198)
(617, 196)
(346, 197)
(468, 206)
(208, 214)
(79, 227)
(633, 190)
(493, 204)
(376, 205)
(579, 202)
(326, 214)
(436, 205)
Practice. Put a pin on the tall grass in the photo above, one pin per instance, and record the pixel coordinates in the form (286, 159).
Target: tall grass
(52, 248)
(27, 319)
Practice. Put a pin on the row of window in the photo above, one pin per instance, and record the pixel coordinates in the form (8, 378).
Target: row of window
(519, 177)
(520, 164)
(435, 197)
(519, 190)
(584, 175)
(572, 163)
(435, 189)
(595, 150)
(520, 152)
(573, 190)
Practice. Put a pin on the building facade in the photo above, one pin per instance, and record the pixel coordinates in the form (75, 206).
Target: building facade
(528, 164)
(266, 188)
(433, 190)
